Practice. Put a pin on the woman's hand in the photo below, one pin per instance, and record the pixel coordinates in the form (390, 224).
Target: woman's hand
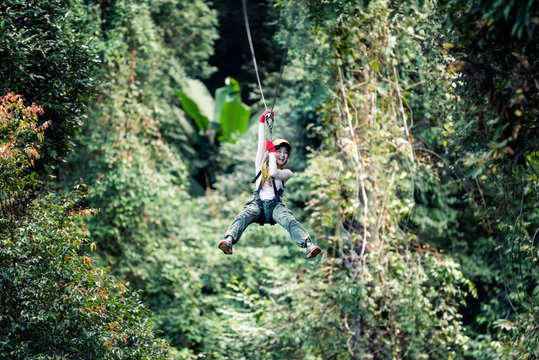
(264, 114)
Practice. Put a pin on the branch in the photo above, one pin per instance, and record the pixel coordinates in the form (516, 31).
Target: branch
(360, 164)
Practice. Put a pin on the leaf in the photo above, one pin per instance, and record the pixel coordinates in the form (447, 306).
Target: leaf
(192, 109)
(196, 102)
(231, 113)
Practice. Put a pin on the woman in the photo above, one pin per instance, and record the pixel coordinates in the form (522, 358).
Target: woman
(267, 206)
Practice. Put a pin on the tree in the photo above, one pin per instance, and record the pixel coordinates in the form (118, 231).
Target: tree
(46, 56)
(56, 303)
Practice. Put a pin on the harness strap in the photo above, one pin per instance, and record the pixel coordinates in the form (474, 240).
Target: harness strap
(266, 217)
(256, 177)
(277, 192)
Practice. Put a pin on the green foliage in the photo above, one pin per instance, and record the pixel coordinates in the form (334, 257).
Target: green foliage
(492, 46)
(414, 129)
(139, 45)
(189, 29)
(144, 176)
(347, 318)
(485, 143)
(361, 185)
(56, 303)
(139, 138)
(232, 114)
(470, 189)
(224, 116)
(45, 57)
(197, 103)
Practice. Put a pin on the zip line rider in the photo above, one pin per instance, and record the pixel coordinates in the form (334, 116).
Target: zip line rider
(266, 206)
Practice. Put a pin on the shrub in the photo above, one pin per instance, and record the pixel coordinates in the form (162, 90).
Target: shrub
(54, 301)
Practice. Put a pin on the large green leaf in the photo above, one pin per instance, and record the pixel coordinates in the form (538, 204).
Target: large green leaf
(232, 114)
(196, 102)
(227, 113)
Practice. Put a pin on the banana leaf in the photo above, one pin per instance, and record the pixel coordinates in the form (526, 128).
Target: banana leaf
(196, 102)
(232, 115)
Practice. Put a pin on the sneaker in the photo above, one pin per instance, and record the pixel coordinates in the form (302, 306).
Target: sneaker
(312, 250)
(226, 246)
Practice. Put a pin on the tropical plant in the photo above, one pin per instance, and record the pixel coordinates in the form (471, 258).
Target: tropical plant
(223, 116)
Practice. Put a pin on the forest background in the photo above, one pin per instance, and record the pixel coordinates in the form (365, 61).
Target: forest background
(123, 161)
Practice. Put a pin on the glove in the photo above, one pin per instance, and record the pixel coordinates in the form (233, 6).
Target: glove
(263, 117)
(270, 147)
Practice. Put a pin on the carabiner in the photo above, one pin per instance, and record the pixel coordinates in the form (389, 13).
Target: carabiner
(270, 119)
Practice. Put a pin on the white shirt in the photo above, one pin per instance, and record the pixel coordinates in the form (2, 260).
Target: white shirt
(279, 176)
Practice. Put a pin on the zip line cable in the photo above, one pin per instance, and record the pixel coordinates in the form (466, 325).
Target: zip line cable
(246, 20)
(282, 68)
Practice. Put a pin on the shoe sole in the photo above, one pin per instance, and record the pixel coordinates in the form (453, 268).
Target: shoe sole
(313, 253)
(224, 246)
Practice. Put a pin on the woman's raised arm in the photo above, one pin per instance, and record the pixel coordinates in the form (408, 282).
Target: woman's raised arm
(261, 149)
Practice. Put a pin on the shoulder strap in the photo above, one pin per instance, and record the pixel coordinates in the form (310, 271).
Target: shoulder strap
(277, 193)
(257, 176)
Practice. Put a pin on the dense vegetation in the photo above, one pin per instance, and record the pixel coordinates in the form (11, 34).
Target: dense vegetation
(415, 138)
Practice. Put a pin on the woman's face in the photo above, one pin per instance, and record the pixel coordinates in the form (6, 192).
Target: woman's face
(281, 155)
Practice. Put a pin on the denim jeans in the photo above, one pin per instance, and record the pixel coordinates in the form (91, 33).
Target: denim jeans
(282, 216)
